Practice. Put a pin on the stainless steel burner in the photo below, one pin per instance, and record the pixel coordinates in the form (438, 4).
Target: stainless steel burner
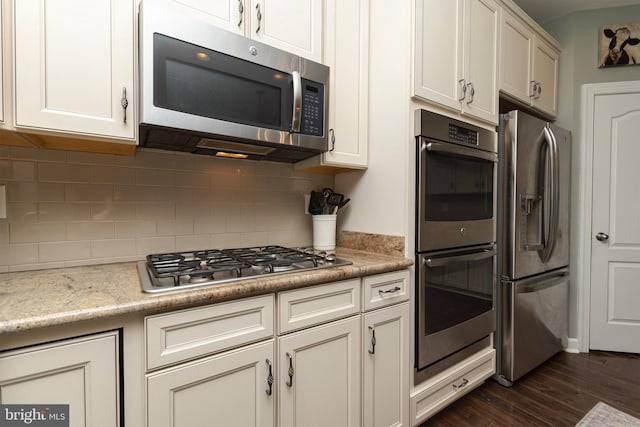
(180, 270)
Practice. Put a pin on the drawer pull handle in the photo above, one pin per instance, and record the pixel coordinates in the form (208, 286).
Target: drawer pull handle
(269, 378)
(373, 340)
(389, 291)
(462, 383)
(291, 370)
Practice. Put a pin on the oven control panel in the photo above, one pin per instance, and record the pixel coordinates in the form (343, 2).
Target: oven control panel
(460, 134)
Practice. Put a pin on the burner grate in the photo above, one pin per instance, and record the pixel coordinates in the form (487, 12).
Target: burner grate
(203, 265)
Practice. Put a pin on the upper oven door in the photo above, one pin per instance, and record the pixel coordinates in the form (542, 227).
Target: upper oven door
(456, 195)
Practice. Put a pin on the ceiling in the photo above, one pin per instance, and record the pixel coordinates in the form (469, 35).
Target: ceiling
(546, 10)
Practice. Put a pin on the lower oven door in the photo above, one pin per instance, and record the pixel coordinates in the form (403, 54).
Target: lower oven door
(455, 301)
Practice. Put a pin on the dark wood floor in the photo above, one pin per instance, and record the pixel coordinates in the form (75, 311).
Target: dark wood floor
(558, 393)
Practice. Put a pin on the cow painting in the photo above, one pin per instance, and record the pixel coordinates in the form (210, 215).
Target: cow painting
(619, 46)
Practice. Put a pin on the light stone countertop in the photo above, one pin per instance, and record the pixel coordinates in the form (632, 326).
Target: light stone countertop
(44, 298)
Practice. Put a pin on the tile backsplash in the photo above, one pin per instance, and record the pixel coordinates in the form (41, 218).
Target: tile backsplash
(69, 208)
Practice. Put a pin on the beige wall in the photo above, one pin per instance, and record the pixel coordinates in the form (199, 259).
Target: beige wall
(578, 36)
(71, 208)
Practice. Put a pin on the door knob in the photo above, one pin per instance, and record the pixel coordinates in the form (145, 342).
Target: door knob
(602, 236)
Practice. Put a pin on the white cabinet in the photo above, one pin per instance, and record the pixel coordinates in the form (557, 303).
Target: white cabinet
(386, 366)
(545, 76)
(83, 373)
(346, 52)
(205, 386)
(528, 65)
(295, 26)
(445, 388)
(230, 389)
(456, 54)
(219, 363)
(319, 376)
(74, 67)
(319, 367)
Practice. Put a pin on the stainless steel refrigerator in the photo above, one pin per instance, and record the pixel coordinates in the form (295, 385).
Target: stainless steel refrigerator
(533, 235)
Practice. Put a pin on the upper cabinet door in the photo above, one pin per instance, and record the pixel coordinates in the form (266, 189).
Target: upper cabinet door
(481, 52)
(528, 65)
(438, 53)
(455, 63)
(226, 14)
(515, 60)
(545, 75)
(74, 66)
(293, 26)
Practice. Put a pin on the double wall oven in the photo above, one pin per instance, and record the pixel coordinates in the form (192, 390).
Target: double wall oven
(456, 203)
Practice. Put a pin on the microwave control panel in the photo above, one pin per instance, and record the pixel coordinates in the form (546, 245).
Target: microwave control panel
(312, 108)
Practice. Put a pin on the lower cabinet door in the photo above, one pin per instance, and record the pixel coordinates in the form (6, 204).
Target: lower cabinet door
(83, 373)
(230, 389)
(319, 376)
(386, 367)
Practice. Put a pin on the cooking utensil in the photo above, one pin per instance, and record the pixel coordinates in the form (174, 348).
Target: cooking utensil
(315, 203)
(333, 201)
(344, 202)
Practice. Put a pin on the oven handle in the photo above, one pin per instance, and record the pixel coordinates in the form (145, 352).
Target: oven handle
(439, 262)
(460, 151)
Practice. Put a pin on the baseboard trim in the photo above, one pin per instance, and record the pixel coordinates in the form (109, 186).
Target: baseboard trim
(572, 346)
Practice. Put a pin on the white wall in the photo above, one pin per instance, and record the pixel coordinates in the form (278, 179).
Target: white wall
(380, 196)
(71, 208)
(578, 36)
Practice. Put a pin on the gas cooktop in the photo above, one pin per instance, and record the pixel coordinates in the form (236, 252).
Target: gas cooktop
(181, 270)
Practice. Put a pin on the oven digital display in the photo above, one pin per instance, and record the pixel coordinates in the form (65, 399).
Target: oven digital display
(458, 133)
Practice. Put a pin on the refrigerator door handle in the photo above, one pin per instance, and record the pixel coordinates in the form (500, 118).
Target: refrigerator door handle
(550, 282)
(549, 241)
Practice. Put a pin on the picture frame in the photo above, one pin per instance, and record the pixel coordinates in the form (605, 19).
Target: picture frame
(618, 45)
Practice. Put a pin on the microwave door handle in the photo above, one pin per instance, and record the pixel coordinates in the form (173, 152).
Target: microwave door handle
(439, 262)
(554, 196)
(297, 102)
(460, 151)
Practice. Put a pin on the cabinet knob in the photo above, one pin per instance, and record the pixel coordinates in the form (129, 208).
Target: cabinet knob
(603, 237)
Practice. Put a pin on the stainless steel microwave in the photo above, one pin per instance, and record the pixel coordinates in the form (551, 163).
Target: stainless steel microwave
(205, 90)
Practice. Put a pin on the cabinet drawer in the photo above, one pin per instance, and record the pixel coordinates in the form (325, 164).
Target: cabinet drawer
(385, 289)
(306, 307)
(451, 385)
(186, 334)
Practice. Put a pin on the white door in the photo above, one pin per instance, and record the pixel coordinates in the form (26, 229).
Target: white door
(319, 376)
(231, 389)
(386, 367)
(82, 373)
(293, 26)
(481, 53)
(615, 246)
(79, 84)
